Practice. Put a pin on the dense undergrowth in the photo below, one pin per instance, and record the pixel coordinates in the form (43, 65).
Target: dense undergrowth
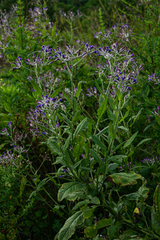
(80, 124)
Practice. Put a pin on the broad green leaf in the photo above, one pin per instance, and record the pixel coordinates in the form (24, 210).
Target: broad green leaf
(54, 146)
(80, 204)
(77, 117)
(68, 188)
(76, 195)
(42, 183)
(96, 157)
(55, 93)
(135, 117)
(90, 232)
(2, 145)
(155, 222)
(118, 146)
(127, 102)
(124, 129)
(118, 93)
(144, 140)
(80, 127)
(67, 120)
(88, 213)
(67, 143)
(156, 201)
(68, 159)
(53, 33)
(104, 130)
(112, 167)
(131, 153)
(157, 117)
(91, 121)
(112, 103)
(104, 223)
(98, 142)
(95, 200)
(102, 109)
(111, 115)
(130, 140)
(66, 96)
(78, 91)
(77, 164)
(125, 179)
(113, 231)
(112, 131)
(52, 179)
(79, 147)
(98, 238)
(101, 99)
(146, 128)
(143, 191)
(22, 186)
(69, 227)
(130, 197)
(116, 158)
(7, 107)
(126, 115)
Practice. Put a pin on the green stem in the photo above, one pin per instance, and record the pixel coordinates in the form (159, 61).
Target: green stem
(54, 201)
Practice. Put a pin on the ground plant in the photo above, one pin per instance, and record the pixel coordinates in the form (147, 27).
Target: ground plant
(80, 122)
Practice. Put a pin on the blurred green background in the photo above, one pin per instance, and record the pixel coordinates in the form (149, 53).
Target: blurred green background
(110, 8)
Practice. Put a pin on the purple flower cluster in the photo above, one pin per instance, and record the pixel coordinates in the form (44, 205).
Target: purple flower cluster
(124, 79)
(105, 35)
(13, 158)
(16, 138)
(125, 32)
(156, 112)
(128, 166)
(69, 92)
(38, 118)
(105, 52)
(37, 12)
(7, 157)
(152, 160)
(92, 92)
(117, 54)
(47, 49)
(117, 31)
(19, 149)
(48, 104)
(154, 78)
(38, 61)
(64, 172)
(7, 131)
(18, 63)
(48, 82)
(71, 16)
(123, 71)
(71, 53)
(5, 26)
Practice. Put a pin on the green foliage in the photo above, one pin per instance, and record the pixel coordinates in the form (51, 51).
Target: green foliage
(79, 143)
(101, 22)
